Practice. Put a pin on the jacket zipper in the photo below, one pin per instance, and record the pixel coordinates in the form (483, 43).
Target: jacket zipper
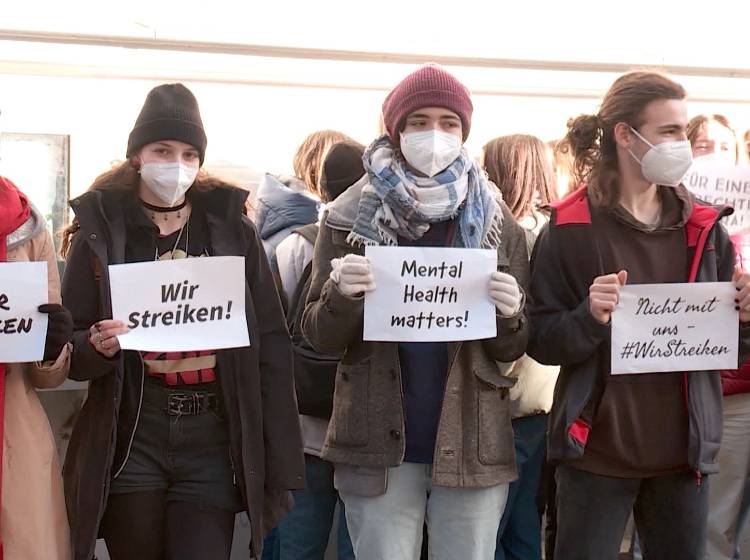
(137, 419)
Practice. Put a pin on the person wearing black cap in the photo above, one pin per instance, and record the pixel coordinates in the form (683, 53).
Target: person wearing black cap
(304, 532)
(157, 484)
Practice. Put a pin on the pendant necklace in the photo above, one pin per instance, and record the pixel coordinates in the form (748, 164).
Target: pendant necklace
(171, 254)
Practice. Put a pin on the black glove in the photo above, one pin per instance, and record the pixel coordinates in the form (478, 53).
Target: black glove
(59, 329)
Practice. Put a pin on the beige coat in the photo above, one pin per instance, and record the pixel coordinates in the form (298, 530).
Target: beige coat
(34, 523)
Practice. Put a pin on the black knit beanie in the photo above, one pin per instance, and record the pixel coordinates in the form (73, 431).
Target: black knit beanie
(169, 113)
(341, 169)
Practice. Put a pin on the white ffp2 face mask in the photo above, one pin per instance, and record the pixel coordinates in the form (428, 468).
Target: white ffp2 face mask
(430, 151)
(168, 181)
(665, 163)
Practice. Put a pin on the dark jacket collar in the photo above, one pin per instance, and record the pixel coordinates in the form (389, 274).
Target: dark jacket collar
(102, 217)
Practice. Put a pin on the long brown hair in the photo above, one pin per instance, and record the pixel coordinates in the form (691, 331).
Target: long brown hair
(699, 122)
(124, 175)
(518, 164)
(591, 138)
(308, 161)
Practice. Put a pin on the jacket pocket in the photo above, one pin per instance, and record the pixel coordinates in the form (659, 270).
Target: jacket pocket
(367, 482)
(350, 422)
(495, 438)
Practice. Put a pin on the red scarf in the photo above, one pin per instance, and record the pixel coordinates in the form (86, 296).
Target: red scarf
(14, 211)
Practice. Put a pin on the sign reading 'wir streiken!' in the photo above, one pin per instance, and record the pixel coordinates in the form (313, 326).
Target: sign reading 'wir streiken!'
(181, 305)
(429, 294)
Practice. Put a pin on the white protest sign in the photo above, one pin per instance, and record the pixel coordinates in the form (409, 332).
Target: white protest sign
(430, 294)
(180, 305)
(723, 184)
(23, 330)
(675, 327)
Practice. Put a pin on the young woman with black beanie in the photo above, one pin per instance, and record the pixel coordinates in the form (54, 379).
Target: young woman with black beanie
(157, 479)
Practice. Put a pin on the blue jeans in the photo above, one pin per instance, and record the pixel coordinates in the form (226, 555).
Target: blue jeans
(303, 533)
(520, 534)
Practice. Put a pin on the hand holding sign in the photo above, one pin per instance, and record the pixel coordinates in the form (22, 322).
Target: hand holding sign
(103, 336)
(353, 275)
(59, 329)
(604, 294)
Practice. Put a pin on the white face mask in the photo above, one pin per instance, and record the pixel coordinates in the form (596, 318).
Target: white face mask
(168, 181)
(665, 163)
(431, 151)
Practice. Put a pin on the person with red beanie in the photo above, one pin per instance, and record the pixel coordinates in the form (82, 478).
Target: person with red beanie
(420, 431)
(33, 524)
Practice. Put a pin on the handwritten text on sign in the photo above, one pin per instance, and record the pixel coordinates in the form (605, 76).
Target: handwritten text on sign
(723, 184)
(23, 330)
(675, 327)
(181, 305)
(426, 294)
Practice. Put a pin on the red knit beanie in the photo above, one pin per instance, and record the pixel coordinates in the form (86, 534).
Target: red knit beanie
(430, 86)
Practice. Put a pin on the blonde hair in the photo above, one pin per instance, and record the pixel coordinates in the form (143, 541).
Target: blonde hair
(698, 124)
(519, 166)
(562, 165)
(308, 161)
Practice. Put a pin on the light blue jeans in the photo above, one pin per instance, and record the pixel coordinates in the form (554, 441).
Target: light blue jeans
(462, 523)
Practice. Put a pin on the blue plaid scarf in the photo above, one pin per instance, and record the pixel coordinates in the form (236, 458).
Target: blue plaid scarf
(395, 202)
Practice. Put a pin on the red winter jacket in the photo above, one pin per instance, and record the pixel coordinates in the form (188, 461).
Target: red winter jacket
(735, 381)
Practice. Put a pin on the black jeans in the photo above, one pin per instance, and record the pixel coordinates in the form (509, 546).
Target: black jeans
(144, 526)
(592, 510)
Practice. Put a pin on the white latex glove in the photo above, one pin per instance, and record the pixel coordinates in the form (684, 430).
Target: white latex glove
(505, 294)
(352, 275)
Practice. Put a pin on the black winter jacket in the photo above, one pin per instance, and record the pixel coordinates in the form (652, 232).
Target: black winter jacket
(256, 381)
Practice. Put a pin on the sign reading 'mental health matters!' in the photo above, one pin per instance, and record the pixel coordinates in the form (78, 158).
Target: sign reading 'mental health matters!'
(23, 330)
(430, 294)
(675, 327)
(181, 305)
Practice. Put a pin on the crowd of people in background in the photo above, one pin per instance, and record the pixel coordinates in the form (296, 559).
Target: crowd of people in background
(519, 447)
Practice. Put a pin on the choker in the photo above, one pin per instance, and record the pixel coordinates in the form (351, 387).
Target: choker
(153, 209)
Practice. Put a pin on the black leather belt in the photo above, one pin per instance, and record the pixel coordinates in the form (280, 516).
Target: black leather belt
(186, 404)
